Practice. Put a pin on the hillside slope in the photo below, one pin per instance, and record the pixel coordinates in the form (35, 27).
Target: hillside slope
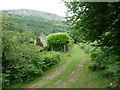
(32, 24)
(34, 13)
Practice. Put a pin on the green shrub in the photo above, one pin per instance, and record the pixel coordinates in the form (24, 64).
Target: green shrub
(23, 61)
(104, 59)
(94, 66)
(51, 58)
(87, 47)
(57, 41)
(82, 45)
(113, 70)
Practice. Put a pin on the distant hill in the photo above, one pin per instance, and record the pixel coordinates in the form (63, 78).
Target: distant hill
(34, 13)
(24, 21)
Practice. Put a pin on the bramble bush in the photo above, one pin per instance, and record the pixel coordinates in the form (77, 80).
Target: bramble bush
(23, 61)
(57, 41)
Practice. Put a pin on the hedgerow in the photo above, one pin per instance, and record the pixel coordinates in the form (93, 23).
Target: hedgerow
(102, 60)
(23, 61)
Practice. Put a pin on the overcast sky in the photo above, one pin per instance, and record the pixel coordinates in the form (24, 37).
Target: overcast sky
(53, 6)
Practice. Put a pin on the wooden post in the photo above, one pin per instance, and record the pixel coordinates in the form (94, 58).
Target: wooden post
(64, 48)
(52, 49)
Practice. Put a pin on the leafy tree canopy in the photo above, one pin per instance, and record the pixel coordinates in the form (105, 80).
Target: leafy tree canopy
(96, 22)
(58, 40)
(99, 23)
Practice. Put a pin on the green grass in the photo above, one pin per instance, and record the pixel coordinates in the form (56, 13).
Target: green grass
(83, 78)
(71, 76)
(71, 66)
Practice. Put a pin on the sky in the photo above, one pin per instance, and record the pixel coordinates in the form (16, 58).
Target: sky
(53, 6)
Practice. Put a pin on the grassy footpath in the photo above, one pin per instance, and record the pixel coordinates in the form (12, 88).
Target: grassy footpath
(72, 72)
(77, 74)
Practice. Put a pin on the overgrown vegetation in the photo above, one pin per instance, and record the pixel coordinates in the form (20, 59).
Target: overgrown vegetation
(99, 24)
(75, 73)
(95, 25)
(21, 60)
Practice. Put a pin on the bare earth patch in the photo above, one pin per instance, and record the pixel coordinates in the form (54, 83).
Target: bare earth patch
(73, 75)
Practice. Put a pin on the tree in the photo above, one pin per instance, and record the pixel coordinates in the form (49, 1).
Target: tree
(57, 41)
(98, 22)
